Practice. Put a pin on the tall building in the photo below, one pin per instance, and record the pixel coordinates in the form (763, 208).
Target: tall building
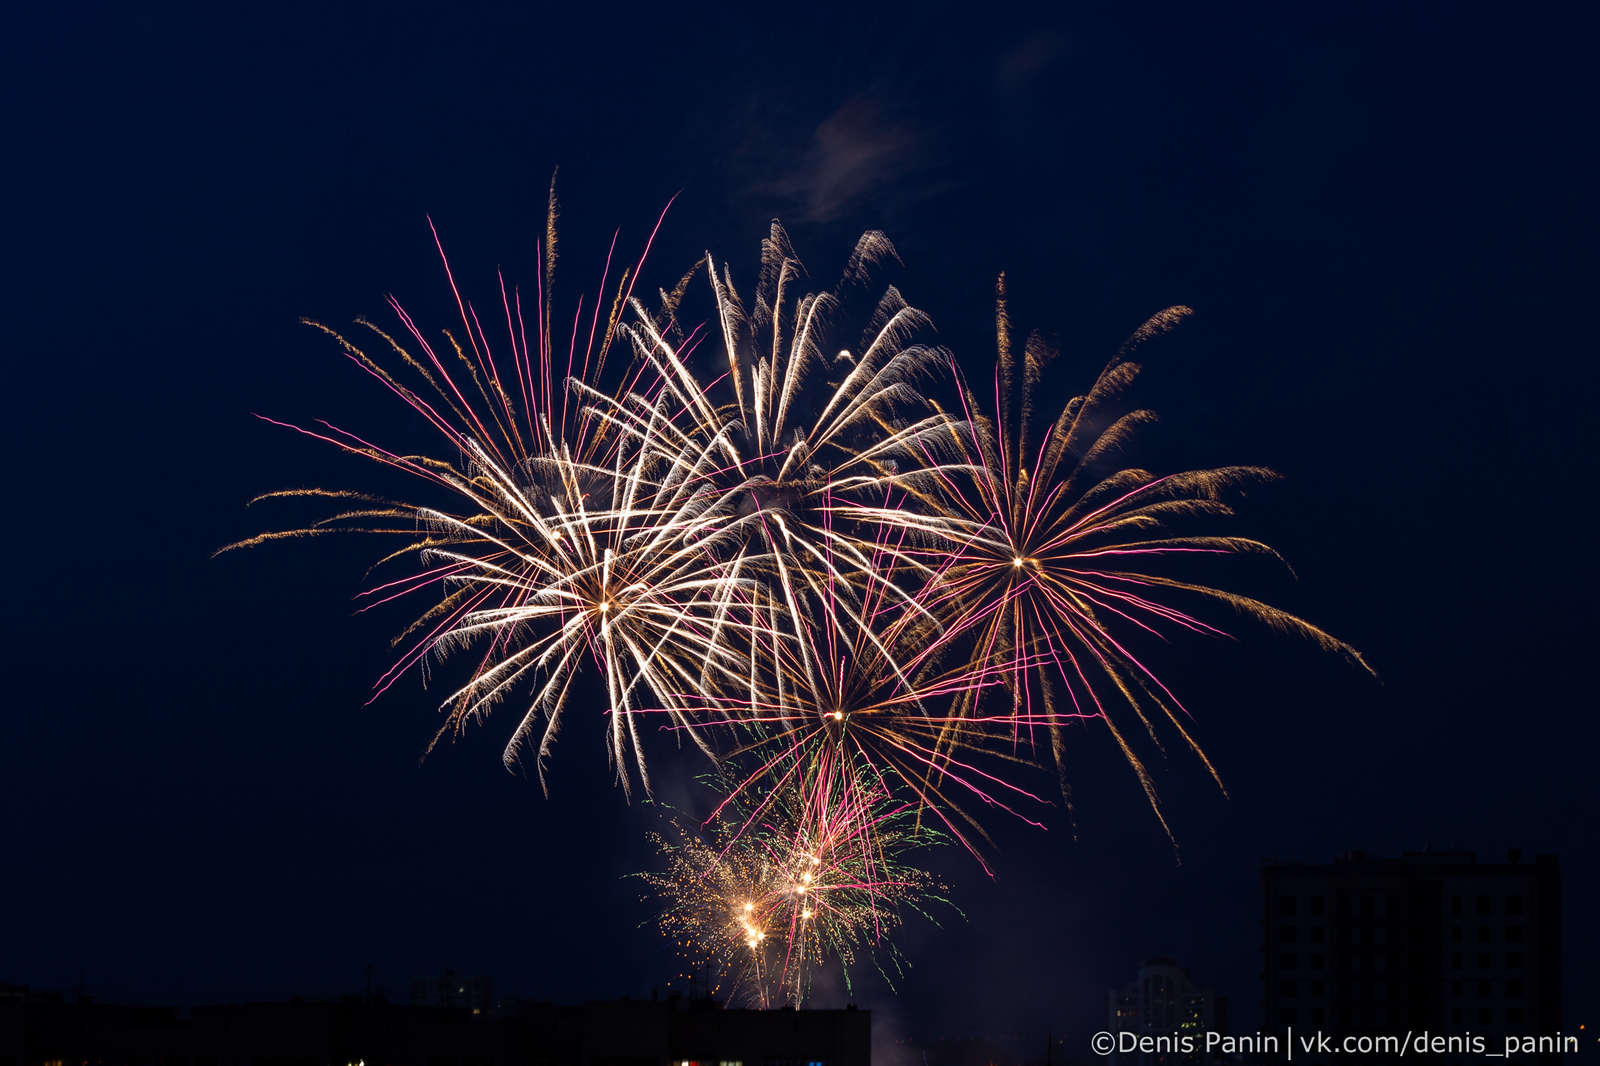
(1433, 940)
(1164, 1002)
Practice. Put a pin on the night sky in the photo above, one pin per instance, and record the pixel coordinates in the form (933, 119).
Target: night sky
(1384, 216)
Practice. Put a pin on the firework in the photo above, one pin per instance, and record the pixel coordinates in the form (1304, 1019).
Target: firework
(765, 899)
(867, 611)
(572, 540)
(805, 425)
(1047, 560)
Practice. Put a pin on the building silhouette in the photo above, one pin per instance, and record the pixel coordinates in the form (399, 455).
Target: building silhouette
(1432, 940)
(475, 994)
(42, 1027)
(1163, 1002)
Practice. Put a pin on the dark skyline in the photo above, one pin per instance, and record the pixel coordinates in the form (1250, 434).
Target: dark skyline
(1383, 218)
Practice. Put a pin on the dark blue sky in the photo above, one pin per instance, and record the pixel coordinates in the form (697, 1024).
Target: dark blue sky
(1384, 216)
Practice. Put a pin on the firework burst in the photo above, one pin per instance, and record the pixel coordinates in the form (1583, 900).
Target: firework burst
(804, 424)
(1048, 555)
(572, 541)
(765, 898)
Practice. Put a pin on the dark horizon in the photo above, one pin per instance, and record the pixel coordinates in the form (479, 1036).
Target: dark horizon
(1383, 219)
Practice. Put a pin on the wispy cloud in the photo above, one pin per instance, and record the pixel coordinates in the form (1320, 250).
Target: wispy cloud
(855, 152)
